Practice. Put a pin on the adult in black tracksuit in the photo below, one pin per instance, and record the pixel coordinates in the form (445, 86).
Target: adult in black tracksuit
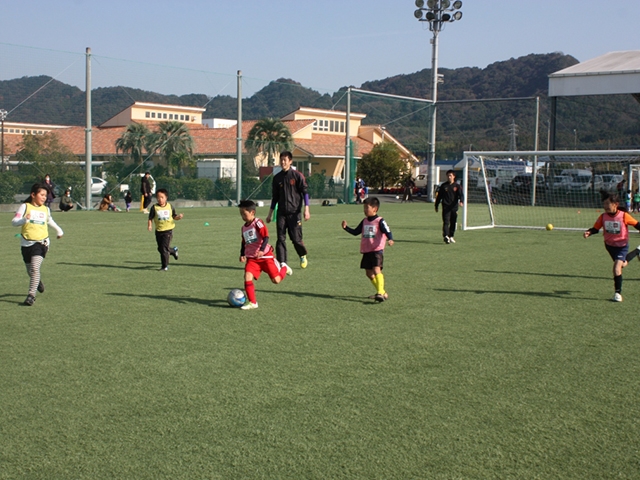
(289, 193)
(145, 190)
(450, 195)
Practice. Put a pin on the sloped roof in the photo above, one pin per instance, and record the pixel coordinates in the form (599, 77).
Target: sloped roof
(609, 74)
(332, 146)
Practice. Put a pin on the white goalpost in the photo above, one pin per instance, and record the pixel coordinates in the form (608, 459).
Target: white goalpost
(531, 189)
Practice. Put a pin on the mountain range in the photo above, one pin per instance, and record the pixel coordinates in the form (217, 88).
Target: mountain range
(481, 107)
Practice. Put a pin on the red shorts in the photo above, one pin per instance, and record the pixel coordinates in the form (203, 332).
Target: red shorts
(268, 264)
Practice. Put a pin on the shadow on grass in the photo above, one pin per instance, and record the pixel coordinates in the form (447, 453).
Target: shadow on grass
(8, 298)
(177, 299)
(325, 296)
(557, 275)
(148, 265)
(564, 294)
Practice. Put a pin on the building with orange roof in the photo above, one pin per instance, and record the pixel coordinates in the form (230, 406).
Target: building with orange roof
(318, 135)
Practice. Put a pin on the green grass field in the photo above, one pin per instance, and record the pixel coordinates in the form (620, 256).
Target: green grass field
(498, 357)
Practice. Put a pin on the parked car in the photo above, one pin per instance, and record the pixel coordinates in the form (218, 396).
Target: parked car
(561, 183)
(580, 183)
(522, 183)
(97, 185)
(610, 181)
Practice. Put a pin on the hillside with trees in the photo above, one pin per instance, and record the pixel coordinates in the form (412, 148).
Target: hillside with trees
(583, 122)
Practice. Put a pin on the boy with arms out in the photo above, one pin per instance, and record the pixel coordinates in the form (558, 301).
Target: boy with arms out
(257, 254)
(615, 222)
(375, 233)
(163, 214)
(34, 216)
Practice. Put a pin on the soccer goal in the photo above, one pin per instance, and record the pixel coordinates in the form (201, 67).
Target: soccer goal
(532, 189)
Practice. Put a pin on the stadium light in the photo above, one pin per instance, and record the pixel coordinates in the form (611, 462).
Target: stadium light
(438, 13)
(3, 115)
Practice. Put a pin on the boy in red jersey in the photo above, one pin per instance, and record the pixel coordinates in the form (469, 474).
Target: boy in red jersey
(375, 233)
(616, 236)
(257, 254)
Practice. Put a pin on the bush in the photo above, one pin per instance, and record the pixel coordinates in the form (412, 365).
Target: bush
(10, 186)
(316, 183)
(251, 187)
(171, 184)
(196, 188)
(223, 189)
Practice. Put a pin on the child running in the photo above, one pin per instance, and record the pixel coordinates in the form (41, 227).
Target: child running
(615, 222)
(34, 216)
(163, 214)
(257, 254)
(374, 230)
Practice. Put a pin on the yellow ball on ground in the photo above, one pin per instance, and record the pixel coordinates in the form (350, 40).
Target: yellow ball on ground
(549, 227)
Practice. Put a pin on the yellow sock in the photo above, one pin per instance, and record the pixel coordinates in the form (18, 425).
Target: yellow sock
(374, 281)
(379, 283)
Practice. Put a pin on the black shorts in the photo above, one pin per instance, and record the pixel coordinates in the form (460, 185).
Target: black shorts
(35, 250)
(370, 260)
(617, 253)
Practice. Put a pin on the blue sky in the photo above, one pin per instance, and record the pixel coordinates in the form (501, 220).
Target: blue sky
(323, 44)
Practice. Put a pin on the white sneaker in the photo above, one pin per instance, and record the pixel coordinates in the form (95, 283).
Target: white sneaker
(446, 239)
(289, 271)
(249, 306)
(616, 297)
(451, 240)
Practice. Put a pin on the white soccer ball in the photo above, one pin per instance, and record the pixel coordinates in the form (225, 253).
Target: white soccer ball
(397, 197)
(236, 298)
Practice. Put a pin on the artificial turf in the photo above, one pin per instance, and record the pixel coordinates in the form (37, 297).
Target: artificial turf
(498, 357)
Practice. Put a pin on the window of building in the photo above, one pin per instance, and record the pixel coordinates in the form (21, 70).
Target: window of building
(181, 117)
(147, 114)
(153, 114)
(171, 116)
(341, 127)
(321, 125)
(164, 115)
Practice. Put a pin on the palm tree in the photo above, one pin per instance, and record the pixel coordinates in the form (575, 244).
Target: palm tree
(175, 144)
(134, 141)
(269, 137)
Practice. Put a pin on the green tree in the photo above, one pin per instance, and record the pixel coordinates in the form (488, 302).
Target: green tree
(40, 155)
(174, 143)
(269, 137)
(382, 166)
(135, 141)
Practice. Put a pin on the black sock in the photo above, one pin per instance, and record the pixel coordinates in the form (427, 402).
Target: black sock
(617, 281)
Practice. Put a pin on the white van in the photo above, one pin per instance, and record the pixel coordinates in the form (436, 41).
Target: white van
(499, 178)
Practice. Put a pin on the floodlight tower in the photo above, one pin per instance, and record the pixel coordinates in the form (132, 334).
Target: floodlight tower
(437, 13)
(3, 115)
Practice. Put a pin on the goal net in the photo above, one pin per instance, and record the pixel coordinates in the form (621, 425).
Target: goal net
(533, 189)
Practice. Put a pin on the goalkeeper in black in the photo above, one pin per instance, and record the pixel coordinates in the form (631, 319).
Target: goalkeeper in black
(451, 196)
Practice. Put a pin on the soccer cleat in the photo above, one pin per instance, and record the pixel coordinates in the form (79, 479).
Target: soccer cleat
(164, 269)
(41, 287)
(380, 298)
(303, 261)
(616, 297)
(451, 240)
(446, 239)
(249, 306)
(174, 252)
(289, 271)
(385, 296)
(30, 300)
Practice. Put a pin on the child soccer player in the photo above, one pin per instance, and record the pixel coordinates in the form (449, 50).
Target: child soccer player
(127, 200)
(374, 230)
(614, 220)
(34, 216)
(163, 214)
(257, 254)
